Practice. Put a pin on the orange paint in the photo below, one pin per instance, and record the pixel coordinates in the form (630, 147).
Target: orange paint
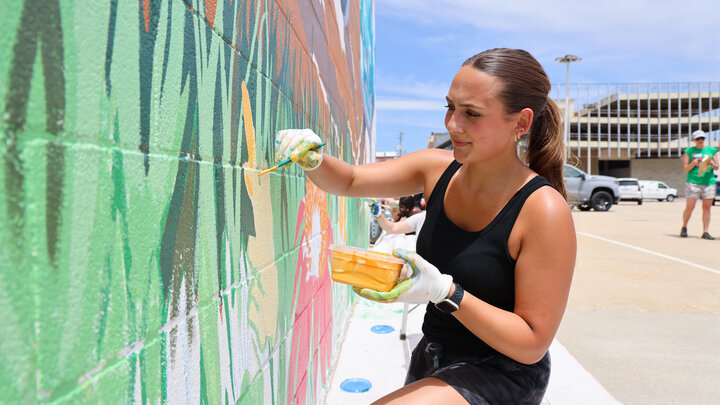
(249, 135)
(364, 268)
(210, 8)
(342, 218)
(249, 126)
(315, 204)
(146, 14)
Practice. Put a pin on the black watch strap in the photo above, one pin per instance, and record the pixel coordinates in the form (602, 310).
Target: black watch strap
(451, 303)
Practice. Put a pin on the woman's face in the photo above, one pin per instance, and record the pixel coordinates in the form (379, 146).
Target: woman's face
(477, 122)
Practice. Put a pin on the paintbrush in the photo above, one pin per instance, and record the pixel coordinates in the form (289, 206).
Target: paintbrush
(286, 161)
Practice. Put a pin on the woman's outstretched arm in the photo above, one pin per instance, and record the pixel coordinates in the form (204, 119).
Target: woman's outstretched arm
(405, 175)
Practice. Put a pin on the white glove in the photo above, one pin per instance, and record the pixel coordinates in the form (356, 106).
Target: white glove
(298, 145)
(425, 284)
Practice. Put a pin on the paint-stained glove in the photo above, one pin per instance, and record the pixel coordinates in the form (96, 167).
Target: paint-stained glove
(425, 284)
(297, 145)
(375, 208)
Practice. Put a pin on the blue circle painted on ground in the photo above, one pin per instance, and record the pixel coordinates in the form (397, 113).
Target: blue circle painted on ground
(355, 385)
(382, 329)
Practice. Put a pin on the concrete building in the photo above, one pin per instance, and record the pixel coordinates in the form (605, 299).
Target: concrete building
(633, 130)
(383, 156)
(639, 129)
(439, 140)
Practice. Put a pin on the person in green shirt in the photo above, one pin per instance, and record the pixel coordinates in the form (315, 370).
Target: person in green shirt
(700, 181)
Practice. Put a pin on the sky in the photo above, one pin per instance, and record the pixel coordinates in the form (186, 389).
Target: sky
(420, 45)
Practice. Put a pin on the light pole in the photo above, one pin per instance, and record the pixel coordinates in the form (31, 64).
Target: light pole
(567, 59)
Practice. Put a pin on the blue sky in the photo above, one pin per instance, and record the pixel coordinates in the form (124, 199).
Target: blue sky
(420, 44)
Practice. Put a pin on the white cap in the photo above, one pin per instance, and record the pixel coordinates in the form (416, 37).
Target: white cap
(698, 134)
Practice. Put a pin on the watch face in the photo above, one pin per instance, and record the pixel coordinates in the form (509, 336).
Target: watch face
(447, 306)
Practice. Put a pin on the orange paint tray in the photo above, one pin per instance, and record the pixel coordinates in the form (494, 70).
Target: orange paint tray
(364, 268)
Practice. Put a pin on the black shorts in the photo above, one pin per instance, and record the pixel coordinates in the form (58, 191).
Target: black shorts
(495, 379)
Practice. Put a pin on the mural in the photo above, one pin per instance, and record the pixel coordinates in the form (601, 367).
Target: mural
(143, 258)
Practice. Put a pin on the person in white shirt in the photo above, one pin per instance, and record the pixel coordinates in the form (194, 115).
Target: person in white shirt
(410, 224)
(400, 234)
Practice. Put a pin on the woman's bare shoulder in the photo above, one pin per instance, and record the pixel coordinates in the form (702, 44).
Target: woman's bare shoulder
(547, 209)
(432, 164)
(430, 161)
(406, 175)
(425, 163)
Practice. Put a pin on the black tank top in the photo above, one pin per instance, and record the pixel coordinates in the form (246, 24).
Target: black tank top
(478, 261)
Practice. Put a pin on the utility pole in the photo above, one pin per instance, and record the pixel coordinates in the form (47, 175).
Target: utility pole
(399, 146)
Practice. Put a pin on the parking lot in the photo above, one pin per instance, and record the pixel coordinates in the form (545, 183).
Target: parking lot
(644, 311)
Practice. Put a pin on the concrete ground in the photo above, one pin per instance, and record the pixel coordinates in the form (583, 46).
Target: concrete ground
(642, 324)
(644, 311)
(382, 359)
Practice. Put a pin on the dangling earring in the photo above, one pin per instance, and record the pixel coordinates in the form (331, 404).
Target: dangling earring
(518, 134)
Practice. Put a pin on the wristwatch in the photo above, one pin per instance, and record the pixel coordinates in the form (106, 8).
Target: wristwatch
(451, 303)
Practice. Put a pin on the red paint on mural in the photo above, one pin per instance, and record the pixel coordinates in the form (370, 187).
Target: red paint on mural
(210, 8)
(312, 293)
(146, 14)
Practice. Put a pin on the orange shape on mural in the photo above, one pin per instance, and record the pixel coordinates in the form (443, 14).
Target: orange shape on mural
(249, 134)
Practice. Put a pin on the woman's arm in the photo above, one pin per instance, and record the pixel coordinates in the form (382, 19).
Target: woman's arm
(400, 226)
(405, 175)
(688, 164)
(543, 240)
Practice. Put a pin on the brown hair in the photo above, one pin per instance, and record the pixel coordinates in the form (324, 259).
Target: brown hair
(526, 85)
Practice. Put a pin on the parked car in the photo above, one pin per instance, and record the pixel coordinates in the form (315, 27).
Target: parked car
(590, 191)
(657, 189)
(630, 189)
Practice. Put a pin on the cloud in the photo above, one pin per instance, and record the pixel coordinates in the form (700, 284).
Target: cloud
(561, 15)
(420, 45)
(689, 27)
(409, 86)
(428, 121)
(409, 104)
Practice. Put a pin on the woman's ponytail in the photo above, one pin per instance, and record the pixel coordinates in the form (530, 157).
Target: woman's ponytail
(546, 151)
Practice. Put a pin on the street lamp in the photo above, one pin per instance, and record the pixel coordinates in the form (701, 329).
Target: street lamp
(567, 59)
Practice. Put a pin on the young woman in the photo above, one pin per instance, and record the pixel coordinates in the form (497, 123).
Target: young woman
(496, 254)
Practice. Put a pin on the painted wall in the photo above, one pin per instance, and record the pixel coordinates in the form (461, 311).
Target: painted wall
(142, 258)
